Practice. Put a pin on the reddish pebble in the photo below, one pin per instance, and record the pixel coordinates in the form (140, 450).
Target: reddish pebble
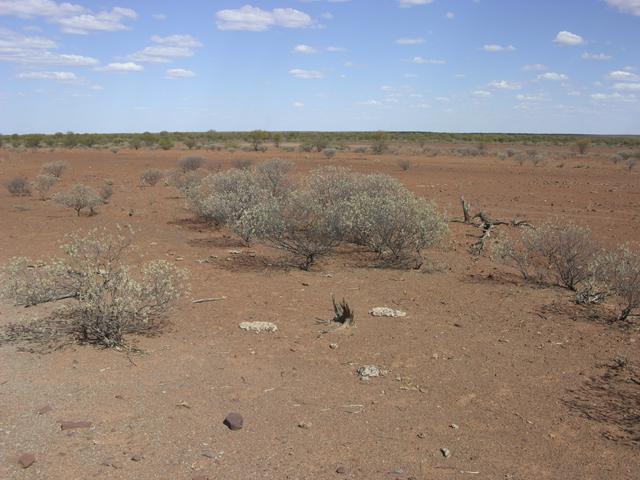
(68, 425)
(26, 460)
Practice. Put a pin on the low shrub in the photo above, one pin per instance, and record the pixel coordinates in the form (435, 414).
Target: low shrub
(43, 183)
(80, 197)
(329, 152)
(404, 164)
(54, 168)
(188, 164)
(151, 177)
(109, 301)
(19, 186)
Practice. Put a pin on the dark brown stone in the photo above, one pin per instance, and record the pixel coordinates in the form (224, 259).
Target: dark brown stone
(341, 470)
(234, 421)
(70, 425)
(26, 460)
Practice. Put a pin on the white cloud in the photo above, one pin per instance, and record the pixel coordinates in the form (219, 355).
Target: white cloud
(495, 48)
(304, 49)
(371, 102)
(255, 19)
(97, 88)
(409, 41)
(159, 16)
(623, 76)
(505, 85)
(627, 86)
(18, 48)
(553, 76)
(121, 67)
(59, 76)
(169, 48)
(535, 67)
(327, 15)
(528, 97)
(450, 15)
(336, 49)
(626, 6)
(298, 104)
(481, 93)
(175, 73)
(413, 3)
(568, 39)
(601, 97)
(431, 61)
(72, 18)
(305, 74)
(595, 56)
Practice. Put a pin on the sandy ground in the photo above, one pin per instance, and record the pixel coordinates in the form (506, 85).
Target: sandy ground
(504, 375)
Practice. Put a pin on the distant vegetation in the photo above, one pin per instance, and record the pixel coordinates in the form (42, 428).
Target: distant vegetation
(309, 141)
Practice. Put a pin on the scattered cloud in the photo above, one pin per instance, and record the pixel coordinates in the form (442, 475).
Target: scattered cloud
(371, 102)
(59, 76)
(535, 67)
(595, 56)
(450, 15)
(336, 49)
(298, 104)
(121, 67)
(568, 39)
(423, 61)
(627, 86)
(528, 97)
(602, 97)
(161, 17)
(495, 48)
(166, 49)
(305, 74)
(27, 50)
(553, 76)
(623, 76)
(304, 49)
(481, 94)
(413, 3)
(176, 73)
(409, 41)
(505, 85)
(631, 7)
(254, 19)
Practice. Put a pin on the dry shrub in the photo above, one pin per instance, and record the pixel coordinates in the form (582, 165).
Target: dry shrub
(191, 163)
(273, 176)
(563, 251)
(109, 301)
(404, 164)
(43, 183)
(19, 186)
(329, 152)
(619, 270)
(54, 168)
(80, 197)
(242, 163)
(185, 182)
(151, 177)
(106, 192)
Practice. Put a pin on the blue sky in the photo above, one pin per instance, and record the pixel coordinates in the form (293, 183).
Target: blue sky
(544, 66)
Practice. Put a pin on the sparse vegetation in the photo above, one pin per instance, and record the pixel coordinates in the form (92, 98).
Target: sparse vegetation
(404, 164)
(19, 186)
(191, 163)
(151, 177)
(109, 302)
(80, 197)
(42, 184)
(54, 168)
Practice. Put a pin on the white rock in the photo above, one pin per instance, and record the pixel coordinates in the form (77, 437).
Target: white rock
(259, 327)
(369, 371)
(386, 312)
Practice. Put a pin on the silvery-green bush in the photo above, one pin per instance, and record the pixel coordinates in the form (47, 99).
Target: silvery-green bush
(110, 300)
(80, 197)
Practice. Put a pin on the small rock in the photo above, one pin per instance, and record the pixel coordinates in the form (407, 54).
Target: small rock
(200, 477)
(341, 470)
(44, 409)
(259, 327)
(137, 458)
(26, 460)
(110, 462)
(304, 425)
(70, 425)
(209, 454)
(386, 312)
(454, 426)
(333, 346)
(422, 435)
(234, 421)
(369, 371)
(446, 453)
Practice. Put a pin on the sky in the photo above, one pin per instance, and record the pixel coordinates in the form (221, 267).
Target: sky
(543, 66)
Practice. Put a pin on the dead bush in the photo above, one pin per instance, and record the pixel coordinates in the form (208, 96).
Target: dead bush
(185, 182)
(620, 271)
(151, 177)
(80, 197)
(242, 163)
(404, 164)
(19, 186)
(43, 183)
(109, 300)
(106, 192)
(191, 163)
(54, 168)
